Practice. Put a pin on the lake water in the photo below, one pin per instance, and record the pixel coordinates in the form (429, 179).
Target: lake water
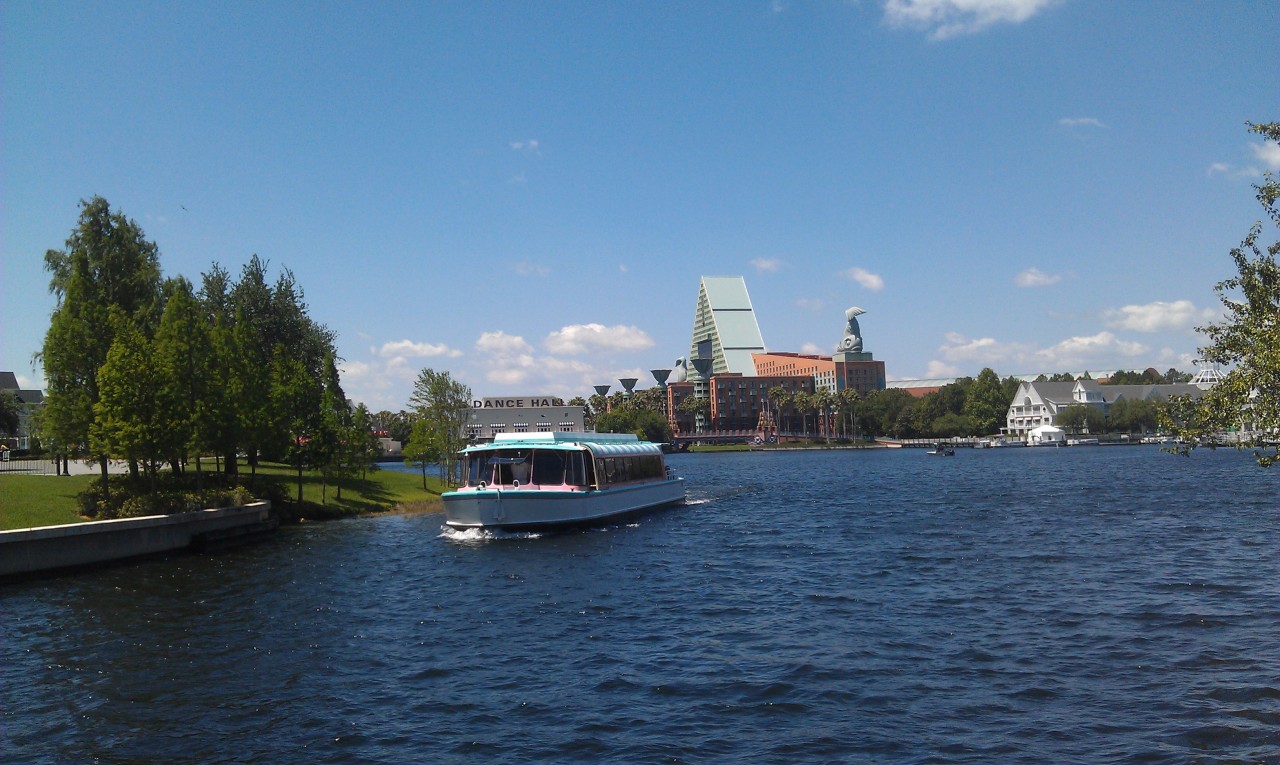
(1091, 604)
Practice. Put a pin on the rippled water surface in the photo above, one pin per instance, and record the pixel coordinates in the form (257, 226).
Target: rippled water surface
(1104, 604)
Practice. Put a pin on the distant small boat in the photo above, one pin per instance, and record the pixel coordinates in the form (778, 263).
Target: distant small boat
(942, 450)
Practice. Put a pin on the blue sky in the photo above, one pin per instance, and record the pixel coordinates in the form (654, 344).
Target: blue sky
(526, 194)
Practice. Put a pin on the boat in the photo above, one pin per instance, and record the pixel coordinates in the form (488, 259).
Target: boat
(1006, 443)
(942, 450)
(535, 481)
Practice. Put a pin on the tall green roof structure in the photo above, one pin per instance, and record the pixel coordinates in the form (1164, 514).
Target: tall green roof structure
(724, 328)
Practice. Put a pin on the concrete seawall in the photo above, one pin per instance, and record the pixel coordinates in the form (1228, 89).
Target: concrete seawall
(29, 552)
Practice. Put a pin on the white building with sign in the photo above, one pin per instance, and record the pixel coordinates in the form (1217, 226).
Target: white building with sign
(522, 414)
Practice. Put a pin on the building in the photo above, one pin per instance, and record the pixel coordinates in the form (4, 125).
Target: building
(725, 331)
(737, 372)
(522, 414)
(864, 376)
(29, 404)
(1038, 403)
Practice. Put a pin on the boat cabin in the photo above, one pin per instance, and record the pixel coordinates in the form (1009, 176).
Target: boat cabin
(563, 461)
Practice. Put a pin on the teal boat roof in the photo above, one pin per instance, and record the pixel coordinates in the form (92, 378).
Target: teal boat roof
(603, 444)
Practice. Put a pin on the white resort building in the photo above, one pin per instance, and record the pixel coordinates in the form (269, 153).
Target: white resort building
(1038, 403)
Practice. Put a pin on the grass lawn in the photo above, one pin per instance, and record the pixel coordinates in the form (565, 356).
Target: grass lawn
(38, 500)
(379, 491)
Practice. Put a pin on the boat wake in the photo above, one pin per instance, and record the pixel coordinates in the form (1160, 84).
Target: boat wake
(474, 536)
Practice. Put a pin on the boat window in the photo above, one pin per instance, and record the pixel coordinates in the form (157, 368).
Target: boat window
(510, 465)
(477, 471)
(548, 467)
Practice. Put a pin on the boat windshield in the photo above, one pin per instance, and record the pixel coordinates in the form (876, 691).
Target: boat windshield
(542, 467)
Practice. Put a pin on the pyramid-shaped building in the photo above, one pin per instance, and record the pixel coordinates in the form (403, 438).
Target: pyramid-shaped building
(724, 329)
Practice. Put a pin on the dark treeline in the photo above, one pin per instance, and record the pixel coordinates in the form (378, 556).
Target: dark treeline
(160, 373)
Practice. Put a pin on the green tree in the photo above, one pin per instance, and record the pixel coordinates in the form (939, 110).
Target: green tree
(332, 428)
(695, 406)
(184, 354)
(1247, 342)
(295, 406)
(423, 448)
(642, 421)
(780, 403)
(10, 411)
(107, 266)
(1132, 416)
(129, 420)
(1081, 418)
(445, 404)
(952, 424)
(361, 445)
(986, 403)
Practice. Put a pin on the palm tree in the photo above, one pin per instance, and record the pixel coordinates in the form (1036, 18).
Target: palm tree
(780, 400)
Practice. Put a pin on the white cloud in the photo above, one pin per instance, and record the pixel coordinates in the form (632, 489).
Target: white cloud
(1034, 277)
(410, 349)
(810, 348)
(766, 264)
(1158, 316)
(867, 279)
(1072, 122)
(938, 369)
(530, 146)
(622, 267)
(944, 19)
(1268, 153)
(813, 305)
(986, 350)
(1094, 350)
(500, 343)
(577, 339)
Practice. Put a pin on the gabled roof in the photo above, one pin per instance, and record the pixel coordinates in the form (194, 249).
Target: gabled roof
(1113, 393)
(8, 381)
(1057, 392)
(1063, 392)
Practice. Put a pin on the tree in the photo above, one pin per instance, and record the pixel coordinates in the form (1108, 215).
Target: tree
(108, 265)
(642, 421)
(129, 420)
(361, 445)
(1132, 416)
(184, 355)
(696, 406)
(952, 424)
(10, 409)
(295, 404)
(986, 403)
(445, 404)
(332, 428)
(1081, 418)
(422, 448)
(1247, 341)
(780, 402)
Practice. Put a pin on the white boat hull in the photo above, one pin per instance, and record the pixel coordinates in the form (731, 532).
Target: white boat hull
(527, 508)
